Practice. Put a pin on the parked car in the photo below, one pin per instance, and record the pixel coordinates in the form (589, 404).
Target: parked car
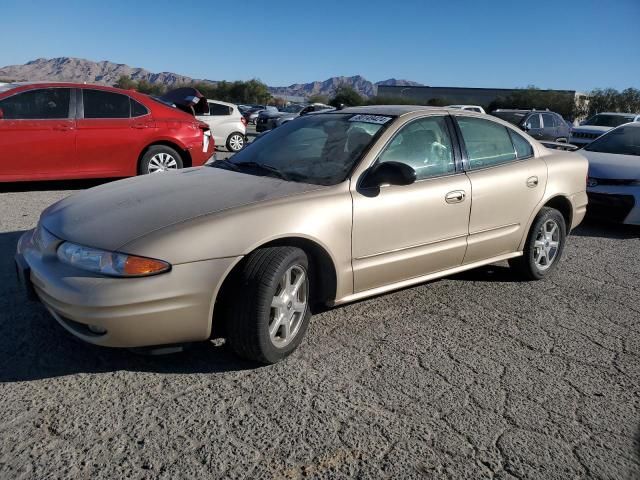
(613, 185)
(69, 130)
(228, 126)
(471, 108)
(268, 120)
(252, 115)
(600, 123)
(327, 209)
(540, 124)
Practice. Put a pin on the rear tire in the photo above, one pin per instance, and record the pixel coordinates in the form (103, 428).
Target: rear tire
(159, 158)
(544, 246)
(235, 142)
(268, 312)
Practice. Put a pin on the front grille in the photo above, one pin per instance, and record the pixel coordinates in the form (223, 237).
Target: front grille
(590, 136)
(610, 207)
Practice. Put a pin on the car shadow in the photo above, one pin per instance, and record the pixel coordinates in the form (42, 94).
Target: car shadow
(592, 227)
(33, 346)
(53, 185)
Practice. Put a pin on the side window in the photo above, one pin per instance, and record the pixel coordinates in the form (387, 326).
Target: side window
(523, 148)
(548, 120)
(45, 103)
(137, 109)
(424, 145)
(101, 104)
(217, 109)
(534, 121)
(487, 143)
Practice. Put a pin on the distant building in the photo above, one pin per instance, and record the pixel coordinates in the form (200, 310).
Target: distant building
(460, 95)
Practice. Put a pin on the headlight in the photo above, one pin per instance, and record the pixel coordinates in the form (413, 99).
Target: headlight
(109, 263)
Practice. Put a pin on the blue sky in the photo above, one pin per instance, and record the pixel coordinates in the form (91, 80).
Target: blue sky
(561, 44)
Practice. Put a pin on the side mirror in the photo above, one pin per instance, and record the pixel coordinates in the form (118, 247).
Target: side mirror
(389, 173)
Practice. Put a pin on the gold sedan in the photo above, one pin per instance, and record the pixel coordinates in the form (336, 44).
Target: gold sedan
(326, 209)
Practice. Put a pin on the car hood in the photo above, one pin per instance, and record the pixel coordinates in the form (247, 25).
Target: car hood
(612, 166)
(114, 214)
(590, 129)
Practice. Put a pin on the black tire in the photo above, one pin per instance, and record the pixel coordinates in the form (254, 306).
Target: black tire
(526, 266)
(146, 162)
(232, 145)
(249, 308)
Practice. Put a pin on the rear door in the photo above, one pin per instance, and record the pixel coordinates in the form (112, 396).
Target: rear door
(113, 129)
(38, 132)
(550, 127)
(507, 183)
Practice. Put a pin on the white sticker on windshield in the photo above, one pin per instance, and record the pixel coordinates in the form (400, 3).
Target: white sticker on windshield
(378, 119)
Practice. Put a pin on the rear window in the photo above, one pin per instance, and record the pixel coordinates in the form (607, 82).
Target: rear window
(101, 104)
(487, 143)
(137, 109)
(217, 109)
(512, 117)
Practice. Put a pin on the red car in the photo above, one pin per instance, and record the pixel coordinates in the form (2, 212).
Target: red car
(69, 130)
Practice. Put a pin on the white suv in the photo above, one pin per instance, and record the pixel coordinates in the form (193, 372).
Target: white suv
(227, 124)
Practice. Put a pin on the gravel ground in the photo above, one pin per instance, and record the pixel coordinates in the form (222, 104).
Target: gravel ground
(474, 376)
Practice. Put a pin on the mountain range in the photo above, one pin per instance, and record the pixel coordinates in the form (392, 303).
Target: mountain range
(107, 73)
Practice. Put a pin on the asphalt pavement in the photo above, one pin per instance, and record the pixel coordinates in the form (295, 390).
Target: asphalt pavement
(474, 376)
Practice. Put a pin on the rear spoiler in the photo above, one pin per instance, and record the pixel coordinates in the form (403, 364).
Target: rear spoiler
(559, 145)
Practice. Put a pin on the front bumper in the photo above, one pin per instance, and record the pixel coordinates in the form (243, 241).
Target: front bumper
(173, 307)
(615, 203)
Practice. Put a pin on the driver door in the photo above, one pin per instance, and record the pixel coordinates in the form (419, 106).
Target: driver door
(403, 232)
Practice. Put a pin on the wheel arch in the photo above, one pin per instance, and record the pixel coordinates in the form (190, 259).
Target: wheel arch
(322, 269)
(559, 202)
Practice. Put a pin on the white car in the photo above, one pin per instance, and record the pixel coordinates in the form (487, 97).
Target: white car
(471, 108)
(600, 123)
(613, 184)
(228, 126)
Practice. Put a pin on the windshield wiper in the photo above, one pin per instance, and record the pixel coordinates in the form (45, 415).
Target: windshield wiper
(262, 166)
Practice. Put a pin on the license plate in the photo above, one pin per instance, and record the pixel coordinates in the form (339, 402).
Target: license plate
(23, 272)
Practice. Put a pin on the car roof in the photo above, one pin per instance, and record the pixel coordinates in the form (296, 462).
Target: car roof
(27, 85)
(221, 102)
(617, 114)
(393, 110)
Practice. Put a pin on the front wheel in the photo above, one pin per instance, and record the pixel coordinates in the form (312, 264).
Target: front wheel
(269, 309)
(235, 142)
(159, 158)
(544, 247)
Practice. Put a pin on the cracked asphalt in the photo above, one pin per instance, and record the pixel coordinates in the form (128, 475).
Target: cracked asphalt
(474, 376)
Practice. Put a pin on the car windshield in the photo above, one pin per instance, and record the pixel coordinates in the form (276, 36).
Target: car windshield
(621, 141)
(511, 117)
(602, 120)
(292, 108)
(318, 149)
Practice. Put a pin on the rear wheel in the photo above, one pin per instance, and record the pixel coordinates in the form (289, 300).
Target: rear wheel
(268, 312)
(159, 158)
(544, 247)
(235, 142)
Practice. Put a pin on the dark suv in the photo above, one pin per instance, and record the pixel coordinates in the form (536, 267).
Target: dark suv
(541, 125)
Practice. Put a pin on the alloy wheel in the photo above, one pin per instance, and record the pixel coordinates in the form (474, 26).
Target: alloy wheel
(162, 162)
(546, 245)
(236, 142)
(288, 306)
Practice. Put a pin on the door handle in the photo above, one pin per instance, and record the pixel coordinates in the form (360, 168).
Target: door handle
(140, 125)
(63, 128)
(532, 182)
(456, 196)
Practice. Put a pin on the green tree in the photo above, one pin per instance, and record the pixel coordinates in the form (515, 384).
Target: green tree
(126, 83)
(346, 95)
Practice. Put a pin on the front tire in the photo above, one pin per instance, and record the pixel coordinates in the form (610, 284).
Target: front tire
(544, 246)
(235, 142)
(269, 308)
(159, 158)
